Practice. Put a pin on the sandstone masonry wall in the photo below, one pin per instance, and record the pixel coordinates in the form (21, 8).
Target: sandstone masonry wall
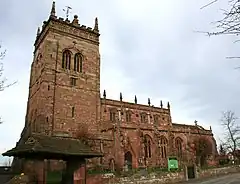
(162, 178)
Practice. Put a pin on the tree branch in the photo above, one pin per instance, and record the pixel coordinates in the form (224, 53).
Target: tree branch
(3, 80)
(230, 23)
(209, 4)
(232, 130)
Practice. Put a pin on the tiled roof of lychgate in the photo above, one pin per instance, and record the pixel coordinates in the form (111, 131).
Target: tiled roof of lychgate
(59, 147)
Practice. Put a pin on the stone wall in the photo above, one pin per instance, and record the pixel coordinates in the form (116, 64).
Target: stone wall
(139, 178)
(155, 178)
(218, 171)
(143, 177)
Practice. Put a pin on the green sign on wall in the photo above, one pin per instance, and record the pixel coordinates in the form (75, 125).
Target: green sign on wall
(172, 163)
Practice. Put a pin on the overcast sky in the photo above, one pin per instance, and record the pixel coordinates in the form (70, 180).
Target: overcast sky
(148, 48)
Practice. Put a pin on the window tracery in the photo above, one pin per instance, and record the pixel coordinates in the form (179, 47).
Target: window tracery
(66, 59)
(113, 113)
(163, 147)
(143, 117)
(156, 119)
(78, 62)
(178, 144)
(147, 146)
(128, 116)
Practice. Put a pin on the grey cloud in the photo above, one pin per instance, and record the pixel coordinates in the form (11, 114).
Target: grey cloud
(181, 60)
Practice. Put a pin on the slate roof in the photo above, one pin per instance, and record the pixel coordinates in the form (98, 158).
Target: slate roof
(52, 147)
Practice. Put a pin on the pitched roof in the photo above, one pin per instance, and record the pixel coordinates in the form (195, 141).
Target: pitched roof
(52, 147)
(188, 126)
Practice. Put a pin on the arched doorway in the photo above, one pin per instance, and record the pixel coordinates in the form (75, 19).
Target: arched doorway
(128, 159)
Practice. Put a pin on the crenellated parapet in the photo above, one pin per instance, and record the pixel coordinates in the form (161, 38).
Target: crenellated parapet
(134, 104)
(65, 26)
(132, 115)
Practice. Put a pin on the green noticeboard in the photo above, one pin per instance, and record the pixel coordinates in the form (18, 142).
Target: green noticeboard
(172, 163)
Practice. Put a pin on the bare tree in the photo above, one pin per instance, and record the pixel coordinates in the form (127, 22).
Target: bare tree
(222, 151)
(222, 156)
(85, 134)
(200, 148)
(230, 23)
(232, 131)
(3, 80)
(2, 54)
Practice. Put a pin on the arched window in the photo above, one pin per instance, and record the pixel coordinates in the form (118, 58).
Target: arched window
(113, 114)
(147, 146)
(128, 116)
(143, 117)
(178, 144)
(66, 59)
(156, 119)
(78, 62)
(163, 147)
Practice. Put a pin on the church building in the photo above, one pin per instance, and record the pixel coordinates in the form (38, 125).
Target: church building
(65, 100)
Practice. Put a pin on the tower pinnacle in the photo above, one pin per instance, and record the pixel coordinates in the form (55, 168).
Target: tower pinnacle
(96, 25)
(53, 10)
(38, 31)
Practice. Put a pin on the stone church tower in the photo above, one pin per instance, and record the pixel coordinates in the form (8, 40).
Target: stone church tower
(64, 89)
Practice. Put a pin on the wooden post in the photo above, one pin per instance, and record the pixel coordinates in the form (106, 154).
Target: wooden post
(71, 166)
(195, 170)
(186, 172)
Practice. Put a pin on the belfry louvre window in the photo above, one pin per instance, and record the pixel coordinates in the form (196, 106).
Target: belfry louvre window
(78, 60)
(66, 59)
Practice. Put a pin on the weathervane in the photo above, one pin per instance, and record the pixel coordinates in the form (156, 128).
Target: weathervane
(67, 10)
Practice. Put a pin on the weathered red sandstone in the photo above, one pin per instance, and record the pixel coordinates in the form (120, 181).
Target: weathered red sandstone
(61, 100)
